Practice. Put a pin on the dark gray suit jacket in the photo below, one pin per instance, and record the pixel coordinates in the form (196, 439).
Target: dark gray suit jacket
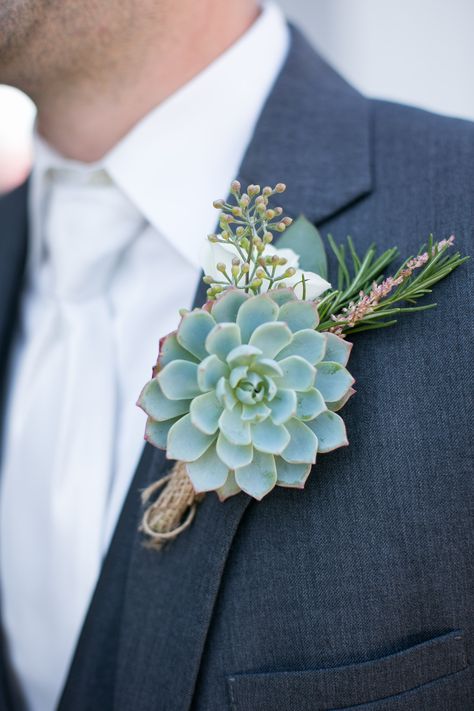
(356, 593)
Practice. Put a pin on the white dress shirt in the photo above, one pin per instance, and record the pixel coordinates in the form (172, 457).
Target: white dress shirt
(170, 167)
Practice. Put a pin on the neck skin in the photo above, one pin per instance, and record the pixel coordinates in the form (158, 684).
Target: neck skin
(84, 118)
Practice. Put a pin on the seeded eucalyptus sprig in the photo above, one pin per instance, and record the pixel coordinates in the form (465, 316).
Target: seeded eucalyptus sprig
(247, 225)
(364, 300)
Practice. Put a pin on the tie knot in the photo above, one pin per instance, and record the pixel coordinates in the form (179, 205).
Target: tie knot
(88, 225)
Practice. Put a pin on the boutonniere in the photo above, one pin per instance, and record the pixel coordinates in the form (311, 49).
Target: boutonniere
(246, 393)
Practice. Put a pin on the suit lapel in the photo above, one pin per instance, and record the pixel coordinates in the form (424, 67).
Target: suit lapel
(313, 134)
(169, 601)
(13, 238)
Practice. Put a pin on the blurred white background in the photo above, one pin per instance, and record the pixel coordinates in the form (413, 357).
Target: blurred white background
(414, 51)
(417, 52)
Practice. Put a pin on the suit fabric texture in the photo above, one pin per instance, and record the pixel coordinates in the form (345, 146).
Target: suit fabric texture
(356, 593)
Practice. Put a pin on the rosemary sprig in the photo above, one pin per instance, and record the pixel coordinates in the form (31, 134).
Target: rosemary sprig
(366, 299)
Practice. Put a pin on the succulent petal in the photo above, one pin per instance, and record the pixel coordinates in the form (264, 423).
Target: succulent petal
(271, 337)
(253, 313)
(243, 355)
(338, 350)
(205, 411)
(332, 380)
(303, 444)
(235, 429)
(283, 406)
(155, 403)
(267, 366)
(299, 315)
(281, 296)
(171, 350)
(178, 380)
(308, 344)
(259, 477)
(230, 487)
(255, 413)
(223, 338)
(272, 388)
(298, 374)
(236, 375)
(156, 433)
(193, 330)
(234, 455)
(310, 404)
(186, 442)
(210, 371)
(226, 307)
(208, 472)
(291, 475)
(330, 430)
(335, 406)
(268, 437)
(225, 394)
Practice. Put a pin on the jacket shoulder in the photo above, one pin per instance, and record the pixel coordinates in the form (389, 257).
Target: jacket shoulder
(14, 199)
(414, 133)
(429, 158)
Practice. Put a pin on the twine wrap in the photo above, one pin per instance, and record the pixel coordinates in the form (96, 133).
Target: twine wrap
(174, 509)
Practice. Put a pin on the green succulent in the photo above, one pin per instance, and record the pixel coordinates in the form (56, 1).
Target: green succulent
(245, 392)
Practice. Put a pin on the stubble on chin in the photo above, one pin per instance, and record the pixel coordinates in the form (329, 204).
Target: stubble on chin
(20, 22)
(47, 43)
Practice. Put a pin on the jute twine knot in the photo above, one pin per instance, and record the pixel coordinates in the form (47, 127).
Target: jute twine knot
(174, 509)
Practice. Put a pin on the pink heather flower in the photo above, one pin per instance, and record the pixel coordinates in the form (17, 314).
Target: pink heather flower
(444, 243)
(417, 262)
(367, 303)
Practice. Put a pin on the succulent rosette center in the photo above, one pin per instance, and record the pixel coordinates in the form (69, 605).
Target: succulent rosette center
(245, 392)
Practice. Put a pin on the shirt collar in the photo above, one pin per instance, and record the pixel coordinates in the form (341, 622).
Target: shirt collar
(185, 152)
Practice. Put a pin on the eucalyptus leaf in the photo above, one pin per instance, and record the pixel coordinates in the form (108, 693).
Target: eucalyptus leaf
(304, 239)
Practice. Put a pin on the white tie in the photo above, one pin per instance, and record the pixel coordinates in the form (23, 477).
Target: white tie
(52, 512)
